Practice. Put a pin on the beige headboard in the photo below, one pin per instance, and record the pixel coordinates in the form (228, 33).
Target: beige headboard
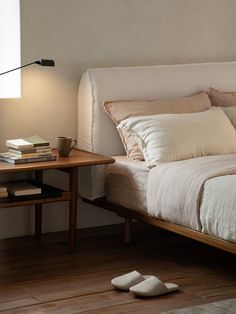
(97, 133)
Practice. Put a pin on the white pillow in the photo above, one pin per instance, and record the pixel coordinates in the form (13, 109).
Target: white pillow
(170, 137)
(231, 114)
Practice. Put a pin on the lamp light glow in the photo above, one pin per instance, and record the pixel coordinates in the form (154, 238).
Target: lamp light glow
(10, 85)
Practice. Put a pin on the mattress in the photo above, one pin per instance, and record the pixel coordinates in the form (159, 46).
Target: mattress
(126, 183)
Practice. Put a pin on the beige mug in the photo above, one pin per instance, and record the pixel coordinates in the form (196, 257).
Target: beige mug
(64, 145)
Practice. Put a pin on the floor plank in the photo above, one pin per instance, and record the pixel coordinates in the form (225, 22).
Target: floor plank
(18, 303)
(44, 278)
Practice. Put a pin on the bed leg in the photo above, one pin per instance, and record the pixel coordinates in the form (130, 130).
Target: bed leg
(128, 225)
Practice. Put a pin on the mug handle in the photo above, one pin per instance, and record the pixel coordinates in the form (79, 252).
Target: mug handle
(73, 143)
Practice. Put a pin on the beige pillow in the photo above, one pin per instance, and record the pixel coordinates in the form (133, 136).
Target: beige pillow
(121, 110)
(171, 137)
(231, 114)
(222, 99)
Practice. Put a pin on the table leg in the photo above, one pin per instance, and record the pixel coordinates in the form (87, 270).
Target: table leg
(38, 208)
(38, 221)
(128, 225)
(73, 172)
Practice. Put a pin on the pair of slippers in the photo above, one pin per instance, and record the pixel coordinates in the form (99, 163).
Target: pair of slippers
(142, 286)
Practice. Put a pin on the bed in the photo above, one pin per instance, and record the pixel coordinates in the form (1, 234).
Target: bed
(132, 179)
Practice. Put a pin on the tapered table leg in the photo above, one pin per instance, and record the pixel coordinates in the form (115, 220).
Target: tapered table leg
(73, 172)
(38, 221)
(38, 208)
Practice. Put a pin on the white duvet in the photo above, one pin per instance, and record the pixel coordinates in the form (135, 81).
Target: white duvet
(198, 193)
(218, 207)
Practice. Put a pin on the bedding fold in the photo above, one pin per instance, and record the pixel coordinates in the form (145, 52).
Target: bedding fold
(174, 189)
(218, 207)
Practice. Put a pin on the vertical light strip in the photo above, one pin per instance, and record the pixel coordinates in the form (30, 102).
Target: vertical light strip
(10, 57)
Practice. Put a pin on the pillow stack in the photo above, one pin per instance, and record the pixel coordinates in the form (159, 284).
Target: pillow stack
(170, 137)
(119, 111)
(183, 128)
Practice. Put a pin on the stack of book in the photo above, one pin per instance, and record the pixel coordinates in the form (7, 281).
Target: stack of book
(29, 149)
(22, 188)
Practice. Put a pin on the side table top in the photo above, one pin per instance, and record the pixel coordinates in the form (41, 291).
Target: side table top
(77, 158)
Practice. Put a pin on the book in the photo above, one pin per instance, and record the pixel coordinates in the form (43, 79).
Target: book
(18, 143)
(13, 159)
(27, 142)
(43, 149)
(3, 188)
(28, 155)
(22, 188)
(3, 194)
(36, 141)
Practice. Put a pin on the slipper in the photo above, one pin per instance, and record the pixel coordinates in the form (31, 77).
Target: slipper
(124, 282)
(152, 287)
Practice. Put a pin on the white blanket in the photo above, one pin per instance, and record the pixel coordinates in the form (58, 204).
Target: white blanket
(218, 207)
(174, 193)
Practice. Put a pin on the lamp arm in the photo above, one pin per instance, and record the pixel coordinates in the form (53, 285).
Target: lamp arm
(43, 62)
(18, 68)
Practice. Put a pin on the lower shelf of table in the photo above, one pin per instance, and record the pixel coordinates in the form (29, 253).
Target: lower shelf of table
(49, 194)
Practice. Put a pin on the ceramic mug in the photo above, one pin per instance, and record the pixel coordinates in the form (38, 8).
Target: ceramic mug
(65, 145)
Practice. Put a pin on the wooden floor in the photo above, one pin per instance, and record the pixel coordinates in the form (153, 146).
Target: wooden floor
(44, 278)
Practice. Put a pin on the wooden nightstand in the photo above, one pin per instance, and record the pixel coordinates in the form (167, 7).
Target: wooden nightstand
(77, 158)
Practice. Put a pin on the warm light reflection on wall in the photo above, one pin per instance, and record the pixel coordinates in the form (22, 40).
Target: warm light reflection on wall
(10, 84)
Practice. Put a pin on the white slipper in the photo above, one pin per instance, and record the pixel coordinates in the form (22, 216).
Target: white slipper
(124, 282)
(152, 287)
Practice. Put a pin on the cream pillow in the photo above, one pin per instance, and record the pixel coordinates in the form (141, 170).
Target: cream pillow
(170, 137)
(231, 114)
(222, 99)
(121, 110)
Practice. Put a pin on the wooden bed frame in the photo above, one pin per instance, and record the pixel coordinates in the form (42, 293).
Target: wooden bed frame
(129, 214)
(98, 134)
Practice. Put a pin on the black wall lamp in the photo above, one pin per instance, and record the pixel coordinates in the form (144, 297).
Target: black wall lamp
(42, 62)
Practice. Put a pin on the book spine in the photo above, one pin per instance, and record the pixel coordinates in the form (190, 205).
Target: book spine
(40, 145)
(37, 159)
(29, 155)
(13, 145)
(43, 149)
(25, 192)
(19, 146)
(27, 160)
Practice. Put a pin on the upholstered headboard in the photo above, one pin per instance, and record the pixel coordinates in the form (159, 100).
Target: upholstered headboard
(97, 133)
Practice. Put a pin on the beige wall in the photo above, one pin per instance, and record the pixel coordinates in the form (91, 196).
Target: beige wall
(100, 33)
